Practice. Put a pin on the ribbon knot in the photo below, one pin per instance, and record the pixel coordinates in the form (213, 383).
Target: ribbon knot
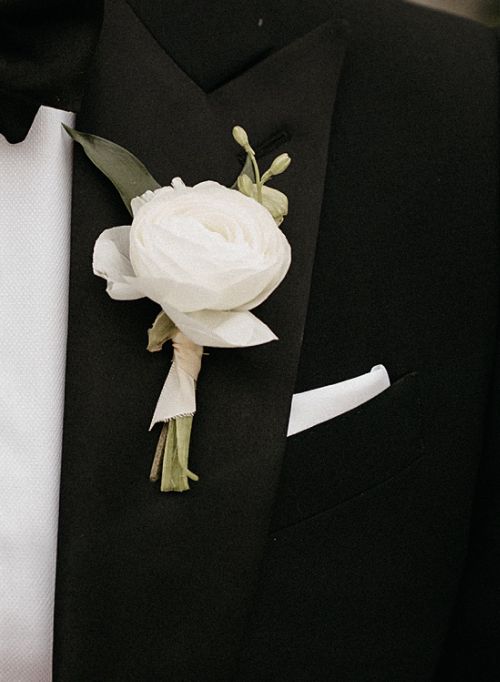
(178, 396)
(187, 355)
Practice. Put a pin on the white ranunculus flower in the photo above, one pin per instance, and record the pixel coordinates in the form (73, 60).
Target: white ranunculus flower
(207, 254)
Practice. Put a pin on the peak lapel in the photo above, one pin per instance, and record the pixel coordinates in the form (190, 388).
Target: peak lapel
(151, 585)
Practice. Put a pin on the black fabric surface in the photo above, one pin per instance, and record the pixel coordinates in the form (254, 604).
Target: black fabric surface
(366, 553)
(45, 51)
(365, 549)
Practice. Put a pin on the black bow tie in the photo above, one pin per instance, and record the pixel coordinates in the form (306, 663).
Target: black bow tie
(45, 53)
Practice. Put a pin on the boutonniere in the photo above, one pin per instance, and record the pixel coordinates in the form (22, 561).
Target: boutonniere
(208, 255)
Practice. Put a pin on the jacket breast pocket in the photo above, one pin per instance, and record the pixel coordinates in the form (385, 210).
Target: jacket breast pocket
(339, 459)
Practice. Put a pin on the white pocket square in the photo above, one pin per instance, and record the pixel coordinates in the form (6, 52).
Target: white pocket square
(321, 404)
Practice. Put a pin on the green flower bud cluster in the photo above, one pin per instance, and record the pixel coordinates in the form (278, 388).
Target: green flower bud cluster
(276, 202)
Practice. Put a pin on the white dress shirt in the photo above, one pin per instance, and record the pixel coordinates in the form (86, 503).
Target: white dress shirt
(35, 204)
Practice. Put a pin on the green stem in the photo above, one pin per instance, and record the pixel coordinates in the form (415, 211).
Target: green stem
(267, 176)
(158, 458)
(256, 171)
(175, 472)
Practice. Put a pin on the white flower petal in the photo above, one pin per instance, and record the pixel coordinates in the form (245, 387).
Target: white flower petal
(206, 254)
(284, 265)
(208, 259)
(140, 200)
(111, 262)
(222, 329)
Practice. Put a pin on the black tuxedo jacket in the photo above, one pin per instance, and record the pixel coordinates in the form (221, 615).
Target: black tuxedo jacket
(363, 549)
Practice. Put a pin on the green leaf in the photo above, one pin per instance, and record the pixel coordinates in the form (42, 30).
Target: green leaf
(130, 177)
(162, 330)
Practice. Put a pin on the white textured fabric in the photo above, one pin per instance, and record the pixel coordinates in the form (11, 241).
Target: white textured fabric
(35, 202)
(321, 404)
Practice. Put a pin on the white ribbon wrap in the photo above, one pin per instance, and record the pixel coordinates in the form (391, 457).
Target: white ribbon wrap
(178, 396)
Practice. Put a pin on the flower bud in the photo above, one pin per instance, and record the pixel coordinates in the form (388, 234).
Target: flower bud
(280, 164)
(240, 136)
(245, 185)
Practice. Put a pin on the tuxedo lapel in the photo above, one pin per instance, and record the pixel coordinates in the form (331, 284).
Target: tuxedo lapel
(153, 585)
